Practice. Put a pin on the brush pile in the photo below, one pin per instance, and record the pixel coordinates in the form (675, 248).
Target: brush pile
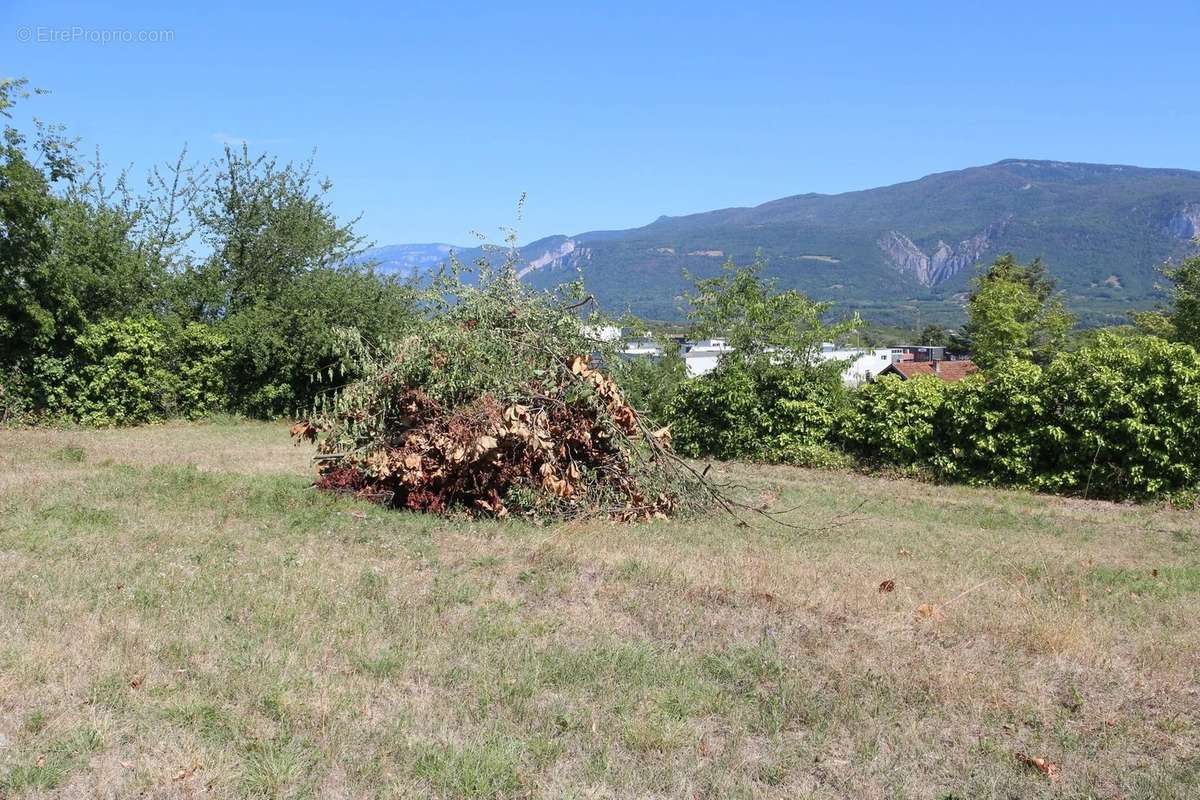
(494, 407)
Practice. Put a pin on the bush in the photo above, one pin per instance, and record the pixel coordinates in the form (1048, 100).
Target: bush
(1129, 411)
(131, 371)
(15, 405)
(894, 421)
(200, 359)
(651, 384)
(1118, 418)
(276, 347)
(758, 412)
(997, 430)
(122, 375)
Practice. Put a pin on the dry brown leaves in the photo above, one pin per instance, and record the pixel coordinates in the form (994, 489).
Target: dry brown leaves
(931, 612)
(304, 431)
(571, 454)
(1047, 768)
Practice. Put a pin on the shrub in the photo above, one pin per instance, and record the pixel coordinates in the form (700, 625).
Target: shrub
(1118, 418)
(135, 370)
(997, 430)
(895, 421)
(14, 397)
(757, 411)
(651, 384)
(276, 347)
(121, 375)
(1129, 410)
(200, 359)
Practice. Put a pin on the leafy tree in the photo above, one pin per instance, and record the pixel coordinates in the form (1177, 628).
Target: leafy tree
(267, 224)
(771, 398)
(650, 384)
(934, 336)
(277, 345)
(1181, 321)
(762, 324)
(28, 291)
(1014, 311)
(69, 258)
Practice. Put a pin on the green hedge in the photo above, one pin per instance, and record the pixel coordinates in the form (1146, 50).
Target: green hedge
(759, 413)
(1119, 418)
(130, 371)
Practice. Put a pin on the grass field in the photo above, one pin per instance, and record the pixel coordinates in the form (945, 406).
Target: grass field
(181, 616)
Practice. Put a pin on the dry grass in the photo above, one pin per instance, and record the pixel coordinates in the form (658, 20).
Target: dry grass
(181, 617)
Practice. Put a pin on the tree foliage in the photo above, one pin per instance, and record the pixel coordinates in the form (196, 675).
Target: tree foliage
(770, 398)
(243, 256)
(1014, 311)
(1180, 321)
(1117, 418)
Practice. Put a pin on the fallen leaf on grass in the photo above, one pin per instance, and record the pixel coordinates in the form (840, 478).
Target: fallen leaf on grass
(184, 774)
(887, 586)
(1047, 768)
(930, 611)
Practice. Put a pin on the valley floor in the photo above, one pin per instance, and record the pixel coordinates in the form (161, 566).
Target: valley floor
(181, 616)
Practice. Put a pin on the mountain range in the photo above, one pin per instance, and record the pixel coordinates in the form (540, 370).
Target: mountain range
(903, 254)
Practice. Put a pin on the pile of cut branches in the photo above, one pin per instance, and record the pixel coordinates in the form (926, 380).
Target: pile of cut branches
(495, 406)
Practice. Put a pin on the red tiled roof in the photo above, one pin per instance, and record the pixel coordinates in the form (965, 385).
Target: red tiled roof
(956, 370)
(946, 370)
(911, 369)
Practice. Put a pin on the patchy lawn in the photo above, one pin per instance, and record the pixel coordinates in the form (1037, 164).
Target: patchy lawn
(181, 616)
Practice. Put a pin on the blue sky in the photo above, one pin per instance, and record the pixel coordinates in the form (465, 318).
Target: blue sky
(432, 118)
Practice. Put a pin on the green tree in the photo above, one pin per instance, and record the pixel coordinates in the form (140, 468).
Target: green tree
(69, 257)
(934, 336)
(29, 292)
(772, 397)
(651, 384)
(277, 345)
(762, 324)
(266, 224)
(1014, 311)
(1180, 322)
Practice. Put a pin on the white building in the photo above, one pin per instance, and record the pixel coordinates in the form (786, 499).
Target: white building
(863, 364)
(702, 356)
(642, 347)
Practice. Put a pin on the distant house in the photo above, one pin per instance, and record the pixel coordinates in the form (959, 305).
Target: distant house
(642, 347)
(702, 356)
(861, 365)
(949, 371)
(919, 352)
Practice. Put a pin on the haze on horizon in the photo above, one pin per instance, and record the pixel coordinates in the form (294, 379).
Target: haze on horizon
(432, 119)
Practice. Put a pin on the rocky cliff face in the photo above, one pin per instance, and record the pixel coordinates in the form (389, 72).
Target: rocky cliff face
(1185, 224)
(945, 262)
(568, 254)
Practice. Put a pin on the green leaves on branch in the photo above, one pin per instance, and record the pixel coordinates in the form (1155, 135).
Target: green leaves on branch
(1014, 312)
(1118, 418)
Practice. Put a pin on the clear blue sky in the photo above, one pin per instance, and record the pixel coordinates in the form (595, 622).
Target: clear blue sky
(431, 118)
